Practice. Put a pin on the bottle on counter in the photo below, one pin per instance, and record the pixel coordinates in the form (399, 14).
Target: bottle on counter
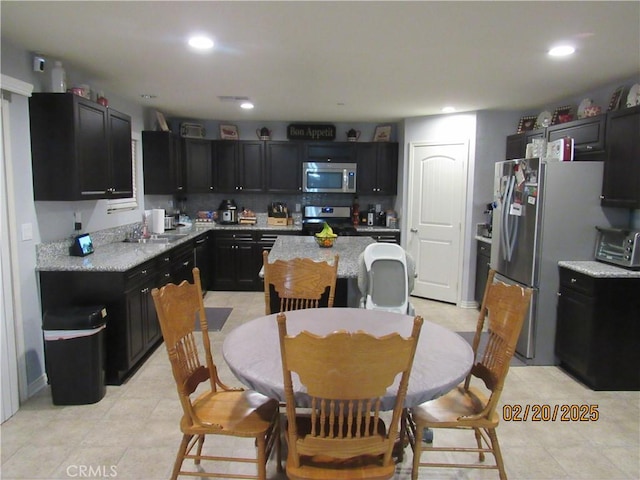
(355, 211)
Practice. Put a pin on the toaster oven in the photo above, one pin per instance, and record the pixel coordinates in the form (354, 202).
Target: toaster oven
(618, 246)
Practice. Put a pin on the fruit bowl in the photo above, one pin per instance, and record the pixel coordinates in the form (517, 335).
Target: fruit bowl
(325, 242)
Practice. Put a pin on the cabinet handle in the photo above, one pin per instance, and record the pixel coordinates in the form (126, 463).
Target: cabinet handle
(185, 264)
(167, 275)
(211, 188)
(145, 290)
(601, 197)
(143, 272)
(414, 230)
(589, 147)
(573, 280)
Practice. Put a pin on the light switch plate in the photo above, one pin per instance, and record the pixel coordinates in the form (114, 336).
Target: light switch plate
(27, 231)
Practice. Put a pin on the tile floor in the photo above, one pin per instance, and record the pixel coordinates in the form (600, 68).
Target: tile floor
(132, 433)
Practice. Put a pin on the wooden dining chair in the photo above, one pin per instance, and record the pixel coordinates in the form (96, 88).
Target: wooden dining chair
(345, 375)
(217, 408)
(465, 407)
(299, 283)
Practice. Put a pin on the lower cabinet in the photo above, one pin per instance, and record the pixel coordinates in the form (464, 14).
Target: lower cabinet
(133, 331)
(235, 255)
(598, 332)
(237, 258)
(483, 261)
(203, 252)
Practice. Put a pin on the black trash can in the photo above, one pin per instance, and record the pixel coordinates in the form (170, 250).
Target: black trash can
(74, 347)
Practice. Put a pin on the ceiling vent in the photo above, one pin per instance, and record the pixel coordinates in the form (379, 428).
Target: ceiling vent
(232, 98)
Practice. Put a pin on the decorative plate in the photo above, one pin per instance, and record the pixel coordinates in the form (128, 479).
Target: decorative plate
(587, 102)
(543, 120)
(633, 98)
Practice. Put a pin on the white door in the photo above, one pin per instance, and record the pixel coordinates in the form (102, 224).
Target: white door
(8, 360)
(435, 212)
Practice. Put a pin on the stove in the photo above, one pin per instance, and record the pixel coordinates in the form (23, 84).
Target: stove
(338, 218)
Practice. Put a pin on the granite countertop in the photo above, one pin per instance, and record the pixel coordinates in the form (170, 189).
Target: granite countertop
(348, 248)
(118, 256)
(112, 254)
(599, 269)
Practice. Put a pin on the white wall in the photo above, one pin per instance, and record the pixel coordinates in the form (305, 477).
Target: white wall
(49, 220)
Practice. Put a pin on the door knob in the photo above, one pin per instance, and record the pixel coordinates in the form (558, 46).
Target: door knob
(414, 230)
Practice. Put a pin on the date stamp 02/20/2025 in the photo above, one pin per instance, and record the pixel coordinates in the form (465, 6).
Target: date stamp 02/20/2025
(550, 413)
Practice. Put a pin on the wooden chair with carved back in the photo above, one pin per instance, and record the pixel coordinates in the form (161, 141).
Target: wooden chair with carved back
(217, 408)
(345, 374)
(504, 308)
(299, 283)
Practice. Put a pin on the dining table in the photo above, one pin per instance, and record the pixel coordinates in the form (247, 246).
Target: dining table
(252, 351)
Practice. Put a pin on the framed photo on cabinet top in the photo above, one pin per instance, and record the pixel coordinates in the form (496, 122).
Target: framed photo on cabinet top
(614, 103)
(228, 132)
(526, 123)
(562, 115)
(162, 123)
(382, 133)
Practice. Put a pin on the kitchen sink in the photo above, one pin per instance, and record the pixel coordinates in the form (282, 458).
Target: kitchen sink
(160, 238)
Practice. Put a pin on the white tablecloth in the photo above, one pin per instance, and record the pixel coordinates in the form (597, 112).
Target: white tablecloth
(252, 351)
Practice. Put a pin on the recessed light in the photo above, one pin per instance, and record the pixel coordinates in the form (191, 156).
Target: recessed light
(448, 109)
(246, 105)
(201, 42)
(561, 51)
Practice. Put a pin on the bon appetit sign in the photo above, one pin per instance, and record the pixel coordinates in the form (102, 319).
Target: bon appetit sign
(302, 131)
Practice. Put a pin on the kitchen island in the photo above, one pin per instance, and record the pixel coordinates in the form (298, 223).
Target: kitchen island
(348, 249)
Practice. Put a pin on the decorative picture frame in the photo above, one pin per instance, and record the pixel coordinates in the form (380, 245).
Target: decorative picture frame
(526, 123)
(162, 122)
(229, 132)
(562, 115)
(614, 103)
(382, 133)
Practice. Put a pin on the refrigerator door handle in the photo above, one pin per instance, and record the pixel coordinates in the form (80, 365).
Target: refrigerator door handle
(508, 226)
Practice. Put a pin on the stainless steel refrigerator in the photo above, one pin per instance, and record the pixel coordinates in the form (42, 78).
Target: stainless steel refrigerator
(545, 211)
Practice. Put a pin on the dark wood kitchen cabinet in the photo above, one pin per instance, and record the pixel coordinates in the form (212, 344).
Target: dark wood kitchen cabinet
(483, 261)
(203, 253)
(132, 331)
(621, 178)
(80, 150)
(235, 261)
(598, 332)
(588, 137)
(239, 166)
(162, 163)
(283, 167)
(517, 143)
(338, 152)
(377, 168)
(198, 162)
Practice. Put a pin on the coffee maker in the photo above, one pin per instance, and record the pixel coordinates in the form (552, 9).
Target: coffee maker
(228, 212)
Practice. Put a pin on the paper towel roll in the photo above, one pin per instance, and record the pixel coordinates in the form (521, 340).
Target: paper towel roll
(157, 220)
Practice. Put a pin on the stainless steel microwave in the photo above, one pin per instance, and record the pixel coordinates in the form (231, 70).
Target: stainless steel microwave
(618, 246)
(327, 177)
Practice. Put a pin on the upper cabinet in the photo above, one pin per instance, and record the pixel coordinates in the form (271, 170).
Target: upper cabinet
(339, 152)
(283, 167)
(377, 168)
(80, 150)
(621, 179)
(588, 135)
(198, 164)
(163, 164)
(239, 166)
